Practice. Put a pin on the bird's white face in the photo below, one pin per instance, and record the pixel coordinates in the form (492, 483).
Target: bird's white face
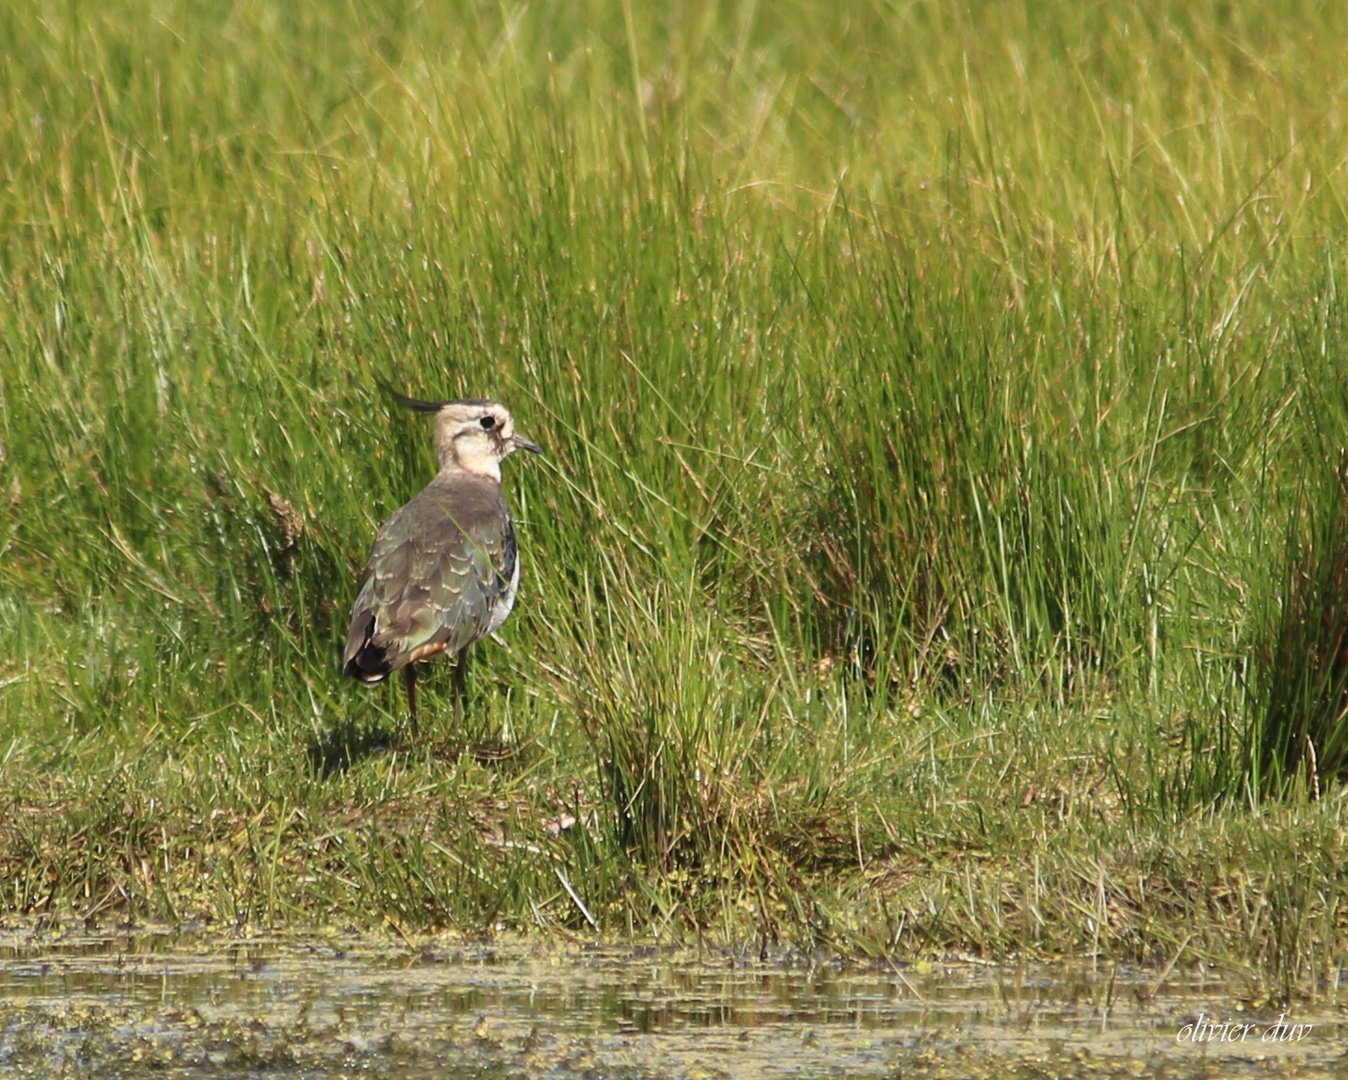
(476, 436)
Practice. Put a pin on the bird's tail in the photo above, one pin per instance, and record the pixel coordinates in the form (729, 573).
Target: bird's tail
(368, 665)
(365, 660)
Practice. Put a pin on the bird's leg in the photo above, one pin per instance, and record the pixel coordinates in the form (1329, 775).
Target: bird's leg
(410, 678)
(460, 685)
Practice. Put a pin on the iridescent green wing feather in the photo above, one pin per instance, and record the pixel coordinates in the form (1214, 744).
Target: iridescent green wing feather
(435, 573)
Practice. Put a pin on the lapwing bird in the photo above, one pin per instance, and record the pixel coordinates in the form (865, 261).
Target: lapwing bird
(445, 568)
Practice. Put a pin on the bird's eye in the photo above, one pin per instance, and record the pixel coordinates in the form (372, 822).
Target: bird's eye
(488, 422)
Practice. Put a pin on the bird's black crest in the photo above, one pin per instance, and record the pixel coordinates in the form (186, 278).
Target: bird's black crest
(426, 406)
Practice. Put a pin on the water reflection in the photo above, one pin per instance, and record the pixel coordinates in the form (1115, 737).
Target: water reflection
(192, 998)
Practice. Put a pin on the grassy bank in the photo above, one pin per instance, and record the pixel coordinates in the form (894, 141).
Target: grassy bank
(938, 546)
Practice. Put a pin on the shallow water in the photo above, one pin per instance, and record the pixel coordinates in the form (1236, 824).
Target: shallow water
(178, 1005)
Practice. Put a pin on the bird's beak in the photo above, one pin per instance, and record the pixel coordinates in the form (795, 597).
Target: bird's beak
(521, 443)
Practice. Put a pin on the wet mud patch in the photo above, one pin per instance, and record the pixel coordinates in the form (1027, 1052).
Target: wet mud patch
(179, 1005)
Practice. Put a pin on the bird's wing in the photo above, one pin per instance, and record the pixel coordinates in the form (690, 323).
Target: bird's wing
(438, 569)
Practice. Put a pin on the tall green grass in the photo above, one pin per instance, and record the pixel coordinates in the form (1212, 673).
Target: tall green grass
(938, 543)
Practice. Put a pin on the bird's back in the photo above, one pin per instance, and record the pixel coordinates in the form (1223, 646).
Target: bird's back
(442, 573)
